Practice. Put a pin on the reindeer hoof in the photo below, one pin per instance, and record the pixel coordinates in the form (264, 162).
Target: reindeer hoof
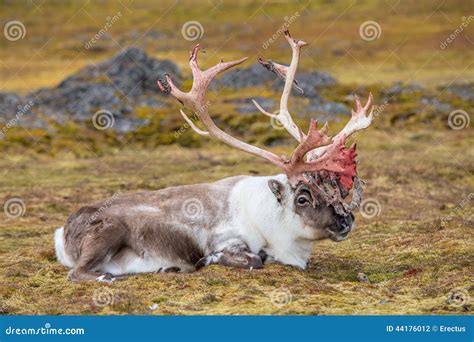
(105, 278)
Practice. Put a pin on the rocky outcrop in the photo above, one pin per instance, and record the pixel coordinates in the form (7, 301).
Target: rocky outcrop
(126, 81)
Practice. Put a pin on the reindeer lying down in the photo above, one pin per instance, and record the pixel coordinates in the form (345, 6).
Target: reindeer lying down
(239, 221)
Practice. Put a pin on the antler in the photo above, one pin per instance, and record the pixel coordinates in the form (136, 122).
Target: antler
(195, 100)
(316, 151)
(359, 121)
(288, 73)
(328, 151)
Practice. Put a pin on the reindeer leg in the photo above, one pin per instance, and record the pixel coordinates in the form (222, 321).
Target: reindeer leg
(97, 248)
(236, 255)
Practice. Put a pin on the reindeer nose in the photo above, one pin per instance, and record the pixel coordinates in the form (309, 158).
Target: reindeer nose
(345, 223)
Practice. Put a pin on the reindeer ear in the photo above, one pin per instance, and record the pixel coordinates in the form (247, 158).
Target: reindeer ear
(277, 188)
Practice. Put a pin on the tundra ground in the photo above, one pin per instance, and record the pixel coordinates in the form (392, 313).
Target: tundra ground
(415, 248)
(413, 262)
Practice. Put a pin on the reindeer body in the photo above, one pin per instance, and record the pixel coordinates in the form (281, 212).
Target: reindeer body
(183, 228)
(239, 221)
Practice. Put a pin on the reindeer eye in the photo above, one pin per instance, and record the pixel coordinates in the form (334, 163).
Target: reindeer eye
(302, 200)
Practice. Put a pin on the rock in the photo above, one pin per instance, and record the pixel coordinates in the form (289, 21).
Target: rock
(126, 124)
(17, 110)
(436, 104)
(322, 106)
(403, 89)
(247, 106)
(362, 277)
(126, 81)
(131, 71)
(10, 103)
(256, 76)
(77, 102)
(464, 91)
(253, 76)
(309, 83)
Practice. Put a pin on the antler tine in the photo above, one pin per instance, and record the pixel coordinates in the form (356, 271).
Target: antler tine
(192, 125)
(359, 121)
(313, 139)
(273, 116)
(288, 73)
(194, 99)
(202, 79)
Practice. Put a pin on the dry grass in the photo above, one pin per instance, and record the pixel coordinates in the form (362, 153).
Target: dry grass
(411, 260)
(417, 170)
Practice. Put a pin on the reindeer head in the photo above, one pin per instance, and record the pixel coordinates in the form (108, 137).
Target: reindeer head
(321, 170)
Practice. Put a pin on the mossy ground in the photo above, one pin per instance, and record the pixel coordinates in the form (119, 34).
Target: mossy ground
(411, 259)
(419, 170)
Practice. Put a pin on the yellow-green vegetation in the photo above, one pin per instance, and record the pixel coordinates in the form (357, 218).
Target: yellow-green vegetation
(409, 46)
(411, 259)
(415, 251)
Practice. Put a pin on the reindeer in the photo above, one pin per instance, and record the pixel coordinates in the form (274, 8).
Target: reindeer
(240, 221)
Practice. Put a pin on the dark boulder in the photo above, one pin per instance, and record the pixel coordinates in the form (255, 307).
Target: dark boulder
(309, 82)
(126, 81)
(131, 71)
(253, 76)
